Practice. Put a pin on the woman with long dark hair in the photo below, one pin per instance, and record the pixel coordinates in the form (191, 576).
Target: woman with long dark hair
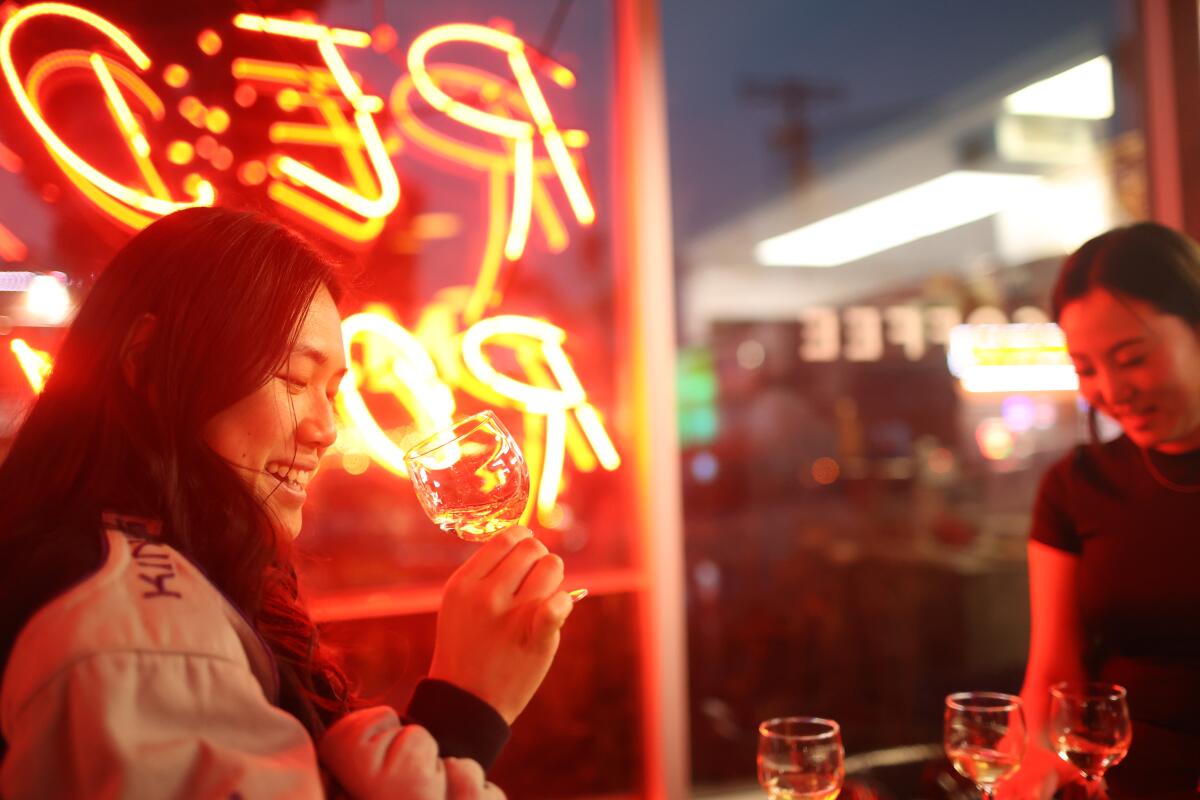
(152, 636)
(1114, 552)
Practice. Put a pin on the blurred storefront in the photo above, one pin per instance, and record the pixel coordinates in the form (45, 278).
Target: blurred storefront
(870, 386)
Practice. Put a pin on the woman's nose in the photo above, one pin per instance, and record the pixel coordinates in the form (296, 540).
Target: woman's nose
(319, 427)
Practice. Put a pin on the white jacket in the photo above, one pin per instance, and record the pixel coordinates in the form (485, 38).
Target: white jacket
(144, 682)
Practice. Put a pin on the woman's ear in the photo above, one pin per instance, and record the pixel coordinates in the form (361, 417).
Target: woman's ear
(134, 346)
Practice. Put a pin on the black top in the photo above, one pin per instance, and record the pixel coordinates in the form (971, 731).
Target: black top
(1138, 541)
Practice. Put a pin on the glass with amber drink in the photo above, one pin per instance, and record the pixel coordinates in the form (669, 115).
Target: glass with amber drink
(470, 478)
(984, 736)
(801, 758)
(1090, 728)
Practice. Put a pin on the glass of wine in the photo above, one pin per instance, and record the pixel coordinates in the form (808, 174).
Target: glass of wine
(471, 477)
(1089, 728)
(800, 758)
(984, 735)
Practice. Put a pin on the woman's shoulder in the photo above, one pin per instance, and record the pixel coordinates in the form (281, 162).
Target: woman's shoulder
(145, 598)
(1091, 466)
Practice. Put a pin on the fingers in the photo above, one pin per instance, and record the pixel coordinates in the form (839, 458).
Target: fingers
(545, 577)
(493, 552)
(511, 572)
(465, 780)
(550, 615)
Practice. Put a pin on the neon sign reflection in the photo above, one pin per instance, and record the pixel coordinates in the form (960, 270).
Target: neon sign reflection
(423, 371)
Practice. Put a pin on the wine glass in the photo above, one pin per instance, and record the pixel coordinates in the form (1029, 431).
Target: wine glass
(471, 477)
(1089, 728)
(984, 736)
(800, 758)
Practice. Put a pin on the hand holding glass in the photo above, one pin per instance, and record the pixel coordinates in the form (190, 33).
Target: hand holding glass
(984, 735)
(1089, 727)
(800, 758)
(470, 478)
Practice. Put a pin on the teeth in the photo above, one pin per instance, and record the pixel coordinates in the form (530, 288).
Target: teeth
(297, 477)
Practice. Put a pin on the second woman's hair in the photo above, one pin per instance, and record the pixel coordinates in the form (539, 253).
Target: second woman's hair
(1146, 261)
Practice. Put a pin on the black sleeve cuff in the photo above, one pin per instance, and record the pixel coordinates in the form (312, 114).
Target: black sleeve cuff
(463, 725)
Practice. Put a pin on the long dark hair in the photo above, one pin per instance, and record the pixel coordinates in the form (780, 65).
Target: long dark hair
(227, 292)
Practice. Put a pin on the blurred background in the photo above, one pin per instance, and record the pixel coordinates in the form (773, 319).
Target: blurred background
(789, 261)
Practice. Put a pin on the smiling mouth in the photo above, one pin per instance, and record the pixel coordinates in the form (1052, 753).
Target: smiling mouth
(295, 479)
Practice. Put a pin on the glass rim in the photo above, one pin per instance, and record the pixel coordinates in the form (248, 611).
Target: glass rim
(430, 443)
(962, 701)
(833, 729)
(1088, 690)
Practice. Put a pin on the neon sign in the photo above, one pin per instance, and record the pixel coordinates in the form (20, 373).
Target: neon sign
(454, 346)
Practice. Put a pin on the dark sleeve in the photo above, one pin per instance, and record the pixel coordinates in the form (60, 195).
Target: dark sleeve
(1053, 524)
(464, 725)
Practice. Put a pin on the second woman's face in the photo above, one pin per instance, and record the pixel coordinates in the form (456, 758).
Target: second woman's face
(1138, 365)
(275, 436)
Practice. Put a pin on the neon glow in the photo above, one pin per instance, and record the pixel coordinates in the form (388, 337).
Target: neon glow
(497, 165)
(35, 364)
(518, 131)
(205, 194)
(554, 403)
(395, 362)
(934, 206)
(327, 40)
(560, 422)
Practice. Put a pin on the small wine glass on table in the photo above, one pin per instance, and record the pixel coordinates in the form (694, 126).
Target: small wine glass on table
(471, 479)
(1090, 729)
(801, 758)
(984, 735)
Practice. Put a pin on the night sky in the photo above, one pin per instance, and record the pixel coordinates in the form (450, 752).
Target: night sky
(887, 60)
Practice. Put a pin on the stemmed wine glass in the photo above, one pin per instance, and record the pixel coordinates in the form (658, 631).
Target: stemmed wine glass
(471, 477)
(800, 758)
(984, 735)
(1089, 728)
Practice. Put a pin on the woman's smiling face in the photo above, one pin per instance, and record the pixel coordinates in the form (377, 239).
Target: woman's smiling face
(1138, 365)
(275, 436)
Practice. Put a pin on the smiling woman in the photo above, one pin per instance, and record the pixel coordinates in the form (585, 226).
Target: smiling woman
(1113, 547)
(150, 604)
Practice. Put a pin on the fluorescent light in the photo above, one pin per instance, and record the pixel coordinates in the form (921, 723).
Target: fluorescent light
(945, 202)
(1081, 92)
